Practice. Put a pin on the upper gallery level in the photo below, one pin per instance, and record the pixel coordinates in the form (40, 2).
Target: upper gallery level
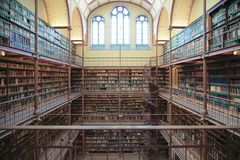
(222, 35)
(18, 35)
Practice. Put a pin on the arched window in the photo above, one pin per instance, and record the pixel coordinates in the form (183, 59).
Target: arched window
(98, 30)
(142, 30)
(120, 25)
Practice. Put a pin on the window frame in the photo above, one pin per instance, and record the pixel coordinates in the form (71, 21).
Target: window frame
(142, 45)
(98, 45)
(122, 45)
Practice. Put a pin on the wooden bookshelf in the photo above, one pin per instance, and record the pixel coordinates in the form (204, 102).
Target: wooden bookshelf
(53, 79)
(224, 77)
(114, 79)
(107, 108)
(107, 141)
(188, 42)
(101, 79)
(76, 79)
(190, 77)
(163, 79)
(131, 79)
(76, 110)
(224, 23)
(16, 79)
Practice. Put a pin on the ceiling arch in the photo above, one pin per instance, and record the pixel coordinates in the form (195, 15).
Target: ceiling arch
(152, 6)
(163, 24)
(76, 23)
(181, 11)
(57, 12)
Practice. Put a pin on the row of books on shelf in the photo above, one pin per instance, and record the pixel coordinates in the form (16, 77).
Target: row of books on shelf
(228, 34)
(52, 68)
(188, 50)
(234, 90)
(194, 30)
(113, 118)
(52, 51)
(14, 64)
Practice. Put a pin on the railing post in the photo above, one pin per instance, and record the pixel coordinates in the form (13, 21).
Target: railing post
(205, 112)
(170, 92)
(36, 74)
(83, 63)
(69, 62)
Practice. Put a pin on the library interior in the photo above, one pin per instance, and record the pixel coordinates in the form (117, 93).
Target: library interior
(119, 79)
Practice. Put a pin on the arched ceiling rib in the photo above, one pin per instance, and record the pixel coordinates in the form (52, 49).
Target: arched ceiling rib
(76, 23)
(163, 24)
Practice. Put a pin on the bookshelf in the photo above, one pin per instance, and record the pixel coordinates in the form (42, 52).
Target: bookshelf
(52, 44)
(163, 79)
(190, 77)
(165, 57)
(109, 79)
(101, 79)
(225, 26)
(16, 79)
(131, 79)
(17, 30)
(188, 42)
(76, 79)
(107, 108)
(223, 82)
(76, 110)
(107, 141)
(53, 79)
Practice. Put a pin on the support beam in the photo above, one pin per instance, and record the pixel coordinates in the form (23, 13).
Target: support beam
(69, 62)
(205, 112)
(36, 74)
(170, 150)
(177, 27)
(121, 127)
(62, 27)
(77, 41)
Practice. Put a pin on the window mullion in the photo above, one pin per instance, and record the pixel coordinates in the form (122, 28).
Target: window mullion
(116, 29)
(123, 25)
(141, 33)
(98, 33)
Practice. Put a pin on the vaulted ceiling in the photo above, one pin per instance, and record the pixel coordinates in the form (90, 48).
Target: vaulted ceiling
(178, 12)
(152, 6)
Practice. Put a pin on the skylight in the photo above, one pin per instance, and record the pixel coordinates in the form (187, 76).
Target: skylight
(150, 1)
(89, 1)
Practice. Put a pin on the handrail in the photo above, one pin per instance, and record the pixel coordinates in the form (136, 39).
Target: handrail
(115, 61)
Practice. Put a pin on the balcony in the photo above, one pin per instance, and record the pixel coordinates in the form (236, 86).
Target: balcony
(115, 61)
(22, 110)
(227, 114)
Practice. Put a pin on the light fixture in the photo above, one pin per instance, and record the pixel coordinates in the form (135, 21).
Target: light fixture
(2, 53)
(236, 53)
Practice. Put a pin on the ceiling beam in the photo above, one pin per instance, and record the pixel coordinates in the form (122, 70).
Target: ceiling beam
(121, 127)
